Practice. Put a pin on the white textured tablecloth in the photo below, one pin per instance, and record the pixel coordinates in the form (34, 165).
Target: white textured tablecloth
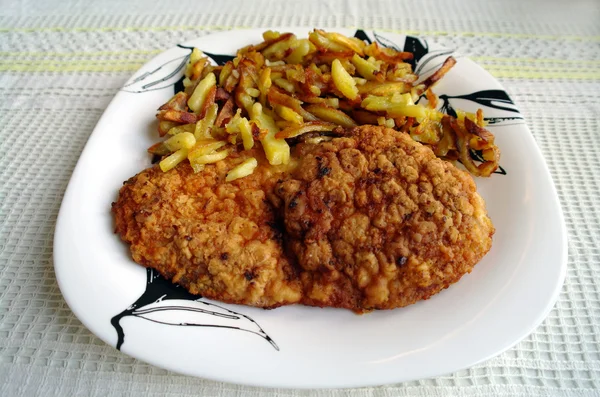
(61, 62)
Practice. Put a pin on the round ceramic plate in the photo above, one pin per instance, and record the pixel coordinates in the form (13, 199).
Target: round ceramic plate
(506, 296)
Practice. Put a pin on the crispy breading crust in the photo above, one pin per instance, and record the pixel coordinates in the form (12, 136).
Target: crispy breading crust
(216, 239)
(369, 221)
(376, 221)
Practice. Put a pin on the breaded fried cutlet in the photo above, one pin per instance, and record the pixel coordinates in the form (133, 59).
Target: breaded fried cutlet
(370, 220)
(375, 221)
(216, 239)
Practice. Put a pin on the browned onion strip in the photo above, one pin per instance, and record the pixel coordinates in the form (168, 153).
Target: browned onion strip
(275, 96)
(492, 154)
(438, 74)
(299, 129)
(177, 116)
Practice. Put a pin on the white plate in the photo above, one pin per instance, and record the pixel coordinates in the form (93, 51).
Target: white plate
(506, 296)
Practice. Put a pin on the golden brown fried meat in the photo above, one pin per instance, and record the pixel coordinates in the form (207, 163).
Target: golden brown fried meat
(214, 238)
(371, 220)
(376, 221)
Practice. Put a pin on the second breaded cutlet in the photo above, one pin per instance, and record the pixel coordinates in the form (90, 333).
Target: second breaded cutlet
(375, 220)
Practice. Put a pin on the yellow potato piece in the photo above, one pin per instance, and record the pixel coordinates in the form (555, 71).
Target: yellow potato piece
(194, 57)
(233, 127)
(288, 114)
(204, 147)
(184, 140)
(332, 115)
(381, 103)
(181, 128)
(243, 169)
(201, 92)
(203, 127)
(170, 162)
(246, 133)
(210, 158)
(417, 111)
(343, 81)
(301, 49)
(276, 150)
(365, 68)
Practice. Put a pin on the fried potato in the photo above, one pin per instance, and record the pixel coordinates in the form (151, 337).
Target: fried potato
(201, 92)
(159, 149)
(383, 89)
(171, 161)
(246, 134)
(204, 147)
(368, 70)
(279, 47)
(276, 149)
(322, 42)
(332, 115)
(177, 102)
(300, 49)
(343, 81)
(198, 163)
(287, 86)
(177, 116)
(204, 126)
(288, 114)
(276, 97)
(243, 169)
(185, 140)
(352, 43)
(178, 129)
(387, 54)
(165, 126)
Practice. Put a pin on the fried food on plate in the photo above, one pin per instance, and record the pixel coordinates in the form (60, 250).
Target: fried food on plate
(214, 238)
(376, 221)
(253, 201)
(370, 220)
(287, 86)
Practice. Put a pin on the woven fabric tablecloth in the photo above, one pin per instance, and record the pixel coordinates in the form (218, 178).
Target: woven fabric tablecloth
(61, 62)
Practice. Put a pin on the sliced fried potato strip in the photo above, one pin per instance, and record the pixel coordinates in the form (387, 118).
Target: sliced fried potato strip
(185, 140)
(288, 114)
(246, 133)
(276, 149)
(178, 129)
(177, 102)
(243, 169)
(165, 126)
(210, 157)
(332, 115)
(171, 161)
(383, 89)
(159, 149)
(204, 126)
(177, 116)
(201, 92)
(357, 46)
(322, 42)
(366, 69)
(276, 97)
(343, 81)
